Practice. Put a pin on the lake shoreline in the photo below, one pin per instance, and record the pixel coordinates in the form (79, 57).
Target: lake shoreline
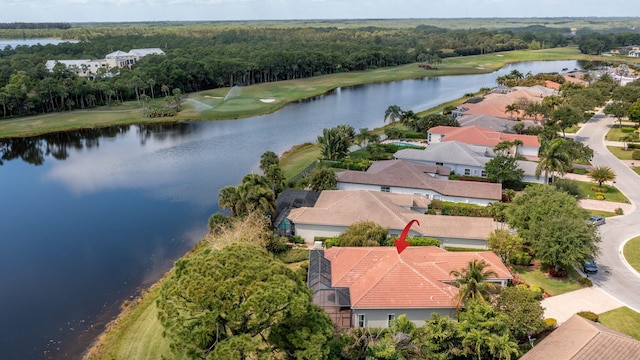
(129, 307)
(279, 94)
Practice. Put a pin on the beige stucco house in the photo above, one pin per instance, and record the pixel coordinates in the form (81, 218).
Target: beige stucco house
(428, 180)
(335, 210)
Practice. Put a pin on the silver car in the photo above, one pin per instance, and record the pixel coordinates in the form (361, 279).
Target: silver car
(596, 220)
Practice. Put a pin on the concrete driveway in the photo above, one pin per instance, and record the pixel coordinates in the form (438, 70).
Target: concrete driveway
(562, 307)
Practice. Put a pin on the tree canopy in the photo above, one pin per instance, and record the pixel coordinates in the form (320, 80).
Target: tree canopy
(363, 233)
(553, 223)
(239, 302)
(503, 168)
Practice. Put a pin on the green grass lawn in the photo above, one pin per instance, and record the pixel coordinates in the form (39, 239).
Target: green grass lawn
(631, 253)
(600, 213)
(550, 285)
(138, 335)
(621, 153)
(616, 134)
(612, 193)
(624, 320)
(298, 158)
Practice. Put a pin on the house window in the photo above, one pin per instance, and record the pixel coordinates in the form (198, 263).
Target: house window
(385, 188)
(484, 173)
(362, 320)
(390, 318)
(475, 172)
(439, 164)
(467, 171)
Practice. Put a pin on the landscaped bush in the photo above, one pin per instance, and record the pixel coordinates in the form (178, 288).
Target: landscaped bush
(586, 282)
(416, 241)
(635, 155)
(619, 211)
(599, 189)
(560, 273)
(349, 164)
(627, 130)
(571, 187)
(520, 258)
(297, 240)
(293, 255)
(436, 204)
(589, 315)
(156, 112)
(537, 290)
(550, 323)
(579, 171)
(277, 244)
(328, 243)
(599, 196)
(462, 209)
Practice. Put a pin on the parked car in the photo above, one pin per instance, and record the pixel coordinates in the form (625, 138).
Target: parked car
(590, 266)
(596, 220)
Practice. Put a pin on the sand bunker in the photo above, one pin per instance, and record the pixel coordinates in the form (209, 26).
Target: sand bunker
(214, 97)
(480, 67)
(267, 100)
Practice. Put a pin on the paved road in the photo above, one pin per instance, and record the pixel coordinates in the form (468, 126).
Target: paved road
(614, 275)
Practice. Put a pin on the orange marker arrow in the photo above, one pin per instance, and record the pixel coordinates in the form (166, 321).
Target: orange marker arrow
(401, 243)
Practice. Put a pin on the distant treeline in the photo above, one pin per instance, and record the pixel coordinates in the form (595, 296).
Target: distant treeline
(200, 58)
(596, 43)
(20, 25)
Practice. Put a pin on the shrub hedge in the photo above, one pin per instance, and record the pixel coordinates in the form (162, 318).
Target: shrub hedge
(462, 209)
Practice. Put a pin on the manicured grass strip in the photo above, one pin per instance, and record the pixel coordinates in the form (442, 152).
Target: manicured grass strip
(621, 153)
(601, 213)
(137, 334)
(550, 285)
(622, 319)
(631, 253)
(612, 193)
(616, 134)
(298, 158)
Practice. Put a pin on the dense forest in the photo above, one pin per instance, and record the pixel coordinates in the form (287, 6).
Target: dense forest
(199, 58)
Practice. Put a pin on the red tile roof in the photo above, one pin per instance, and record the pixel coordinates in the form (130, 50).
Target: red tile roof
(475, 135)
(379, 277)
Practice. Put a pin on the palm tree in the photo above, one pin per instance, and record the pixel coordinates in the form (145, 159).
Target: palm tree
(475, 340)
(267, 159)
(517, 144)
(228, 199)
(502, 347)
(334, 144)
(601, 174)
(471, 281)
(511, 108)
(393, 113)
(553, 157)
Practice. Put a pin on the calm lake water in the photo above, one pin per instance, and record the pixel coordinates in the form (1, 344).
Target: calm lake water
(29, 42)
(88, 218)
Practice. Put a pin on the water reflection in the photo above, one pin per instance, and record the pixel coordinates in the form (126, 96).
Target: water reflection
(34, 150)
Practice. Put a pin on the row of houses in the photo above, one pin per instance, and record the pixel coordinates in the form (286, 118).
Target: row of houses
(115, 60)
(371, 286)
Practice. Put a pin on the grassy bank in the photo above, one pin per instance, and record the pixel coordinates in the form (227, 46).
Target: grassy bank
(631, 253)
(624, 320)
(265, 98)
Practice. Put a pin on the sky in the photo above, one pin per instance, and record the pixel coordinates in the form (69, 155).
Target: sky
(213, 10)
